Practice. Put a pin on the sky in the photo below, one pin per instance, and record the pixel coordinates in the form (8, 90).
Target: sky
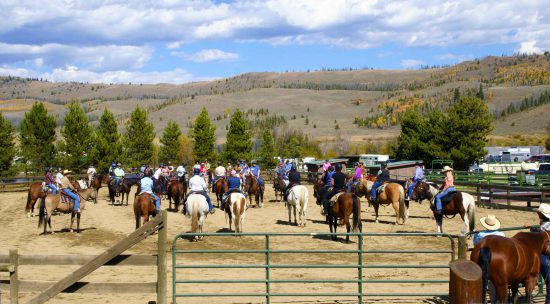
(169, 41)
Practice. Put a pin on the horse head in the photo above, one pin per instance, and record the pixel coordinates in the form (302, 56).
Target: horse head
(421, 191)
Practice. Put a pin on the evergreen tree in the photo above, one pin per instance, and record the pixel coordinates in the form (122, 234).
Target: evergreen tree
(239, 144)
(480, 93)
(204, 138)
(7, 145)
(77, 135)
(185, 152)
(37, 137)
(170, 142)
(107, 146)
(266, 152)
(138, 140)
(456, 95)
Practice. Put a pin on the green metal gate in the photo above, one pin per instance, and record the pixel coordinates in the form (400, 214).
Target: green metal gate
(269, 265)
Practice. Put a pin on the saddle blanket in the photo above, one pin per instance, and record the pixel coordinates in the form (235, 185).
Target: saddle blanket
(82, 183)
(335, 198)
(381, 188)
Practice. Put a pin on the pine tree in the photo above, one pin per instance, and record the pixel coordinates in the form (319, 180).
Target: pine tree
(266, 153)
(456, 95)
(239, 144)
(37, 137)
(107, 145)
(7, 145)
(204, 138)
(185, 152)
(170, 142)
(480, 93)
(77, 135)
(138, 140)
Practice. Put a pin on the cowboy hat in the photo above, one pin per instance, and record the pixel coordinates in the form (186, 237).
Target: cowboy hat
(490, 222)
(446, 168)
(67, 171)
(544, 209)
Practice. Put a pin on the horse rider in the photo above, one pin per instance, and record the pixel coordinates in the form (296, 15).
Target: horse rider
(255, 170)
(112, 170)
(197, 165)
(327, 177)
(244, 171)
(417, 178)
(294, 180)
(357, 176)
(198, 185)
(544, 225)
(50, 181)
(180, 171)
(119, 174)
(338, 183)
(288, 166)
(91, 172)
(219, 172)
(142, 169)
(166, 174)
(448, 186)
(58, 177)
(69, 190)
(170, 167)
(282, 172)
(491, 224)
(382, 177)
(228, 169)
(147, 187)
(326, 165)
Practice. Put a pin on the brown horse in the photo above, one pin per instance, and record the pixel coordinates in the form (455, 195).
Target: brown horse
(393, 194)
(511, 261)
(52, 202)
(96, 185)
(319, 191)
(346, 204)
(220, 187)
(174, 190)
(253, 188)
(144, 206)
(279, 187)
(35, 192)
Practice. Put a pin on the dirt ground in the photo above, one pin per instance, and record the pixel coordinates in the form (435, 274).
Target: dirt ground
(104, 224)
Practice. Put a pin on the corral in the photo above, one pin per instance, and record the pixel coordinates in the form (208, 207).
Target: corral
(103, 225)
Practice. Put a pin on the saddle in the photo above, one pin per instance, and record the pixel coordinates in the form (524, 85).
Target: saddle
(447, 198)
(65, 199)
(151, 198)
(44, 187)
(381, 189)
(335, 197)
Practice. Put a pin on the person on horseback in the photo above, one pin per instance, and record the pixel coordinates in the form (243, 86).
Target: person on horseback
(282, 172)
(69, 190)
(180, 171)
(91, 172)
(233, 185)
(288, 166)
(147, 187)
(170, 167)
(198, 185)
(112, 170)
(448, 187)
(58, 177)
(166, 174)
(417, 178)
(294, 180)
(255, 170)
(119, 174)
(382, 177)
(228, 169)
(219, 172)
(357, 176)
(49, 180)
(338, 183)
(543, 213)
(244, 171)
(326, 165)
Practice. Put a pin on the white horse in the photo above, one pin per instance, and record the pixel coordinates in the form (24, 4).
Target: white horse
(237, 210)
(297, 199)
(197, 210)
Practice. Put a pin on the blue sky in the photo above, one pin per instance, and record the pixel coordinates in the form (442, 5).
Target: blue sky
(181, 41)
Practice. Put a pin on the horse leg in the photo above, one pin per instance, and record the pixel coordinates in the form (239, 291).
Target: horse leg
(72, 221)
(348, 228)
(376, 206)
(295, 219)
(439, 223)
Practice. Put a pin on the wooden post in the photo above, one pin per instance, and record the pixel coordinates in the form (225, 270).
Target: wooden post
(14, 277)
(462, 247)
(479, 202)
(465, 282)
(161, 260)
(508, 197)
(491, 198)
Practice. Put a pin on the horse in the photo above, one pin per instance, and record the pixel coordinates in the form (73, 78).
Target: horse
(511, 261)
(362, 188)
(144, 206)
(52, 202)
(175, 190)
(235, 210)
(346, 204)
(297, 199)
(455, 203)
(279, 186)
(253, 188)
(197, 210)
(220, 187)
(35, 192)
(393, 194)
(96, 184)
(319, 191)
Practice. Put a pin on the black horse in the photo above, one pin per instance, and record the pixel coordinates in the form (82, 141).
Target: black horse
(124, 187)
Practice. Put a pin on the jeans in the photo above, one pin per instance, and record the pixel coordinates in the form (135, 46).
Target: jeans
(373, 190)
(411, 188)
(260, 181)
(157, 201)
(545, 271)
(74, 196)
(441, 194)
(53, 187)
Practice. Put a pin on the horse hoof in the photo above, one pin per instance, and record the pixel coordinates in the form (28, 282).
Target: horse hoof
(70, 230)
(376, 221)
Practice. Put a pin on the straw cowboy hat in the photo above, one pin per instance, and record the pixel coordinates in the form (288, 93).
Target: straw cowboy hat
(544, 209)
(490, 222)
(446, 169)
(67, 172)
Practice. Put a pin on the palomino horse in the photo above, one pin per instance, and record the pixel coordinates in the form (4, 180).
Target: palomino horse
(197, 209)
(279, 186)
(455, 203)
(52, 202)
(144, 207)
(174, 190)
(253, 188)
(510, 261)
(393, 194)
(297, 199)
(235, 210)
(35, 192)
(346, 204)
(220, 187)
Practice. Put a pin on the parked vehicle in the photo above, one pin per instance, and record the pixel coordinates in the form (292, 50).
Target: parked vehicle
(540, 158)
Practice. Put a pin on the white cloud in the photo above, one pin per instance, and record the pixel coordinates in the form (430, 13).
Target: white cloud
(207, 55)
(411, 63)
(528, 47)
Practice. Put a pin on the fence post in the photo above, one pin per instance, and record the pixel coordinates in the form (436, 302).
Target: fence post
(465, 282)
(14, 277)
(161, 259)
(479, 202)
(267, 271)
(462, 247)
(360, 268)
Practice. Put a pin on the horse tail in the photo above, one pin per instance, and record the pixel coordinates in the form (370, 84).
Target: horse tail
(356, 213)
(237, 210)
(472, 215)
(303, 199)
(42, 211)
(28, 206)
(195, 216)
(484, 261)
(402, 207)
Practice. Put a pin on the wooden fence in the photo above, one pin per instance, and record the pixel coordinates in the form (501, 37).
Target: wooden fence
(111, 257)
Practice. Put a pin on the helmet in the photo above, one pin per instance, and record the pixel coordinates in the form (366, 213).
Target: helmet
(196, 171)
(48, 169)
(254, 162)
(383, 165)
(293, 168)
(338, 167)
(59, 169)
(113, 164)
(219, 163)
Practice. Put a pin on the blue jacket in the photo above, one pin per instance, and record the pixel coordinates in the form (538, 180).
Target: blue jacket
(255, 170)
(234, 183)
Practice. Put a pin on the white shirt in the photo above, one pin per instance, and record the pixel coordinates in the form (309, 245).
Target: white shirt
(91, 171)
(180, 170)
(196, 183)
(58, 177)
(220, 171)
(157, 173)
